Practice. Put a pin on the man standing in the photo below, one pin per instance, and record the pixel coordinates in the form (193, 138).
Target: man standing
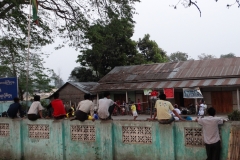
(106, 107)
(211, 134)
(163, 109)
(201, 107)
(15, 108)
(83, 108)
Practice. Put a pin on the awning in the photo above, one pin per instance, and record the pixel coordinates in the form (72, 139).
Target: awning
(167, 84)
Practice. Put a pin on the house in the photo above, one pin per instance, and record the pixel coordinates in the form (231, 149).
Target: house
(218, 80)
(71, 93)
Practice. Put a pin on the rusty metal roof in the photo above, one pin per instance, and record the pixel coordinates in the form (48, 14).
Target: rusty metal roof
(167, 84)
(191, 73)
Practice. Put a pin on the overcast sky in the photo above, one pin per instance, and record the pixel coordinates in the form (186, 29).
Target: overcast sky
(216, 32)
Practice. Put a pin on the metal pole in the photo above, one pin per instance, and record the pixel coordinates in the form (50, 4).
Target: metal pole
(126, 97)
(238, 99)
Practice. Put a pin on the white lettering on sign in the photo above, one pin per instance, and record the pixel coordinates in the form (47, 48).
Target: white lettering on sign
(5, 95)
(7, 82)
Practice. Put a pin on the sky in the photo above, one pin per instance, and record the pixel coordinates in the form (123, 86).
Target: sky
(216, 32)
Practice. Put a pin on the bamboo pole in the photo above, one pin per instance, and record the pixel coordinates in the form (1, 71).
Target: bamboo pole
(29, 28)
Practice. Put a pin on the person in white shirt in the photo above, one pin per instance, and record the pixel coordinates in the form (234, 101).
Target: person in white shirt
(83, 109)
(106, 107)
(211, 134)
(201, 107)
(35, 110)
(177, 110)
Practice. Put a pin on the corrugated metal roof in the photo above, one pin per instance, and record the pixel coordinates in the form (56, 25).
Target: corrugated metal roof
(193, 69)
(84, 86)
(211, 72)
(168, 84)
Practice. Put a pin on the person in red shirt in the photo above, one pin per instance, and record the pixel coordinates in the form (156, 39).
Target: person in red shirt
(58, 107)
(139, 106)
(154, 94)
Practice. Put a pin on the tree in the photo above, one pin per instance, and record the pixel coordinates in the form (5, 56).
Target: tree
(13, 62)
(229, 55)
(67, 19)
(178, 56)
(189, 3)
(204, 56)
(109, 46)
(150, 50)
(83, 74)
(56, 80)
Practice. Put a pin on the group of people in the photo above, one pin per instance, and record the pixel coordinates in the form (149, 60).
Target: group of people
(209, 124)
(165, 114)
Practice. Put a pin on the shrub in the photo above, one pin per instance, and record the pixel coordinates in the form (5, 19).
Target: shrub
(234, 116)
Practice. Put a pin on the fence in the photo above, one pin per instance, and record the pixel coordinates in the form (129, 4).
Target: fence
(105, 140)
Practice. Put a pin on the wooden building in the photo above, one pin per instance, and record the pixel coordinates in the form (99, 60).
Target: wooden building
(218, 80)
(73, 92)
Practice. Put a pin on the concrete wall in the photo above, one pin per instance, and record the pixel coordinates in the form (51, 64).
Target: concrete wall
(167, 141)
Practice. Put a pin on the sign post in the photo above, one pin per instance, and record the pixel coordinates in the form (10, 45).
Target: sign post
(8, 89)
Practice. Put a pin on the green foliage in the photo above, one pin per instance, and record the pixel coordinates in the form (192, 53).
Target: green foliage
(229, 55)
(150, 51)
(110, 46)
(204, 56)
(178, 56)
(234, 116)
(82, 74)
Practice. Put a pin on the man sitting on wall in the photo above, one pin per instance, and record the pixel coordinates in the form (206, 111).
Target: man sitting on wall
(58, 107)
(14, 109)
(83, 108)
(106, 107)
(163, 109)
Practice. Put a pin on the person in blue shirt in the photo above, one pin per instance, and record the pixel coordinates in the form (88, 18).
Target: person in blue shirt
(14, 108)
(95, 116)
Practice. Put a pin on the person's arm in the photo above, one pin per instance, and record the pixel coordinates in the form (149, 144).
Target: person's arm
(117, 105)
(177, 115)
(155, 114)
(40, 113)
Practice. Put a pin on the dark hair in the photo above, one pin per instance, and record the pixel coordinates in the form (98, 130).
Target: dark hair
(175, 106)
(36, 98)
(70, 110)
(16, 99)
(162, 96)
(55, 95)
(211, 111)
(184, 112)
(87, 96)
(106, 94)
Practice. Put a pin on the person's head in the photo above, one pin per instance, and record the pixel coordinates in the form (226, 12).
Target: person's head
(70, 110)
(95, 112)
(87, 96)
(162, 96)
(106, 94)
(211, 111)
(16, 99)
(184, 112)
(56, 95)
(36, 98)
(175, 106)
(201, 101)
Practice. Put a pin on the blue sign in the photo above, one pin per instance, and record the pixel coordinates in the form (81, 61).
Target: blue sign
(8, 89)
